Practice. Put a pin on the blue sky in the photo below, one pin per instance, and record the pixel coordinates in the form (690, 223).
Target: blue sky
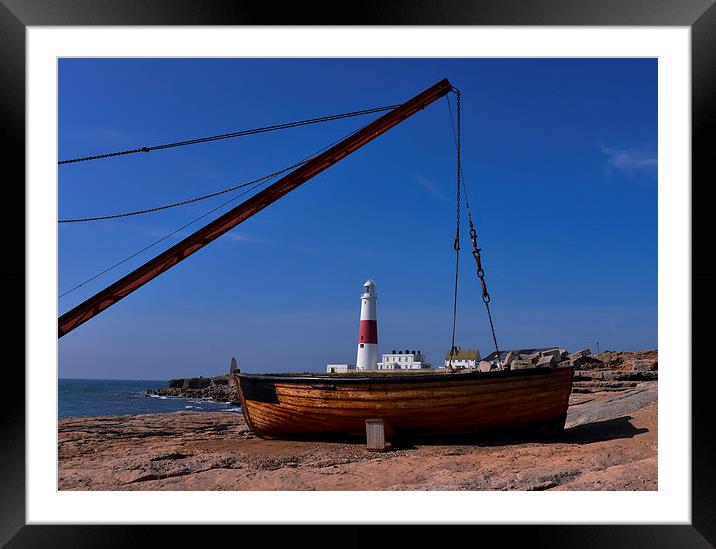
(560, 160)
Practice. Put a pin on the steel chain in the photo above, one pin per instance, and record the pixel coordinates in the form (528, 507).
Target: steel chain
(185, 202)
(481, 276)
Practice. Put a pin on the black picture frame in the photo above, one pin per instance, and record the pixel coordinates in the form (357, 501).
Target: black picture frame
(16, 15)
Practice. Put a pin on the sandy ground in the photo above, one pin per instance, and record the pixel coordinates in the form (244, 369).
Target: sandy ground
(610, 443)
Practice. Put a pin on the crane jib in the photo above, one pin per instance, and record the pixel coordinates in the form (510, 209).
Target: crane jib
(203, 236)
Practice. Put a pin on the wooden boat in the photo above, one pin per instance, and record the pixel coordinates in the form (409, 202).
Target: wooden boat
(288, 406)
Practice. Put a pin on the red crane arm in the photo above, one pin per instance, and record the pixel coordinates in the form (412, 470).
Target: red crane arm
(180, 251)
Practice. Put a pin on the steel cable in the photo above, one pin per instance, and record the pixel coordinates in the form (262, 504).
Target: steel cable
(175, 231)
(231, 135)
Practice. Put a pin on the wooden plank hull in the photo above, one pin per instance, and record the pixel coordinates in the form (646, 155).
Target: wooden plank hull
(322, 406)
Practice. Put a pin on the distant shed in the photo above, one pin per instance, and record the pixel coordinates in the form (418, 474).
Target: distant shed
(465, 358)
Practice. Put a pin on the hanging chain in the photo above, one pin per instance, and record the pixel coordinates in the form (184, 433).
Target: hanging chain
(481, 276)
(456, 241)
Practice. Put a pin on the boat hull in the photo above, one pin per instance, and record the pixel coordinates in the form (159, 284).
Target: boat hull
(318, 406)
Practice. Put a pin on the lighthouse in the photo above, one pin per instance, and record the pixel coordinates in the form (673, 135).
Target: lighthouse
(368, 333)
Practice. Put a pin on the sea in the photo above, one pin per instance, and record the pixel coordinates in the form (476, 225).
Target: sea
(112, 397)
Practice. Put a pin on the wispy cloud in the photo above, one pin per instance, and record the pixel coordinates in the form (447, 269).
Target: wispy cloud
(633, 162)
(612, 326)
(310, 250)
(228, 237)
(241, 237)
(432, 187)
(159, 233)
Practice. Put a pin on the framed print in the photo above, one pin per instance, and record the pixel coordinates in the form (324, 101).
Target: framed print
(509, 188)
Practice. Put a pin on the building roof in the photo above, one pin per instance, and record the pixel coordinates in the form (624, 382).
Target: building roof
(406, 352)
(463, 354)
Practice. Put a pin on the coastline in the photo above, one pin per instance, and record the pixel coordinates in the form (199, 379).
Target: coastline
(610, 442)
(78, 398)
(609, 370)
(220, 389)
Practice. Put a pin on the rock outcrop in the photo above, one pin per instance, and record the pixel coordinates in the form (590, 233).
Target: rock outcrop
(639, 361)
(219, 388)
(546, 358)
(623, 361)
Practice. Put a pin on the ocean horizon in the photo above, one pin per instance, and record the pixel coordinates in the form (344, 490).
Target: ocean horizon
(79, 397)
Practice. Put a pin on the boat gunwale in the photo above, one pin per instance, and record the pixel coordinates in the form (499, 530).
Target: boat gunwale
(400, 378)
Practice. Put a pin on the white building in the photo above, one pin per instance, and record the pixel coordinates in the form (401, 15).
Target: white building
(465, 358)
(339, 368)
(404, 360)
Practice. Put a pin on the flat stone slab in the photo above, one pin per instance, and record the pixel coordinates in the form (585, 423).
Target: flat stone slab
(615, 406)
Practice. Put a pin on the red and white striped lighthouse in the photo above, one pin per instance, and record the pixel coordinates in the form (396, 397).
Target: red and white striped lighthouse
(368, 333)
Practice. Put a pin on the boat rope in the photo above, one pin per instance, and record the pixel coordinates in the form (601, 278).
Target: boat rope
(476, 251)
(456, 240)
(232, 134)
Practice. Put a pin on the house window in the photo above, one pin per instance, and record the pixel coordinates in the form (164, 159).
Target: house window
(361, 345)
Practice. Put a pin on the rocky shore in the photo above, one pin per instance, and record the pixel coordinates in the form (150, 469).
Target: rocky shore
(219, 388)
(610, 443)
(607, 370)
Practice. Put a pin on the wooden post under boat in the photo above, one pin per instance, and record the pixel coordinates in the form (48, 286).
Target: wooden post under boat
(288, 406)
